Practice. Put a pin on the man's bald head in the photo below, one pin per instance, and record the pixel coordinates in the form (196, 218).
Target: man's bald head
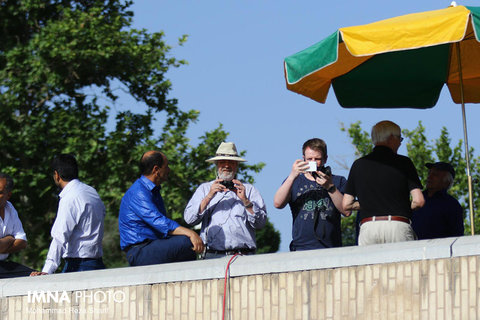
(149, 160)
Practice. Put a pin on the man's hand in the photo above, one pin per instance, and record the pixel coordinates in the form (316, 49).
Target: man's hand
(216, 187)
(282, 196)
(5, 243)
(240, 190)
(324, 180)
(195, 239)
(37, 273)
(197, 242)
(299, 166)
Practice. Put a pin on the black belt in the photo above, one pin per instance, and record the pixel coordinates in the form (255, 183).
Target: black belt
(130, 246)
(232, 251)
(82, 259)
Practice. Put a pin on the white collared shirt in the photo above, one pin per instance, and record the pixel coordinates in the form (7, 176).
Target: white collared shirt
(78, 229)
(11, 226)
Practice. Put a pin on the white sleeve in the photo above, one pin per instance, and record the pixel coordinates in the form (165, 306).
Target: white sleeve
(67, 219)
(17, 228)
(191, 215)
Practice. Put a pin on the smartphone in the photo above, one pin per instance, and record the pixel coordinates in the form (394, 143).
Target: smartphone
(312, 166)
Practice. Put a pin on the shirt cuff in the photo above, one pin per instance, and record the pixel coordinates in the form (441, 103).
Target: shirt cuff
(49, 267)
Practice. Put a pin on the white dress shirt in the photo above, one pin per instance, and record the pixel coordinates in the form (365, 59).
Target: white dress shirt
(11, 226)
(78, 229)
(226, 224)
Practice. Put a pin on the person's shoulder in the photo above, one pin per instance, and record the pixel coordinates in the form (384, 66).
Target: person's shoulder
(451, 198)
(249, 186)
(10, 208)
(137, 185)
(206, 184)
(402, 157)
(338, 178)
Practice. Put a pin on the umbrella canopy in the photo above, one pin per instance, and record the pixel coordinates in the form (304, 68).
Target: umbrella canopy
(401, 62)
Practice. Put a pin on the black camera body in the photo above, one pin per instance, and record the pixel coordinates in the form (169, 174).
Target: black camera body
(228, 184)
(326, 170)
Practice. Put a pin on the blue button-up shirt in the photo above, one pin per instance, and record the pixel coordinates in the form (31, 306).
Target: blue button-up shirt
(143, 215)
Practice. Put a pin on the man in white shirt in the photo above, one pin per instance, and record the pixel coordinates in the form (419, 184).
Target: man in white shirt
(12, 237)
(78, 229)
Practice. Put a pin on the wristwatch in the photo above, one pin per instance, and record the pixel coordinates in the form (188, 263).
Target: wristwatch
(249, 205)
(332, 189)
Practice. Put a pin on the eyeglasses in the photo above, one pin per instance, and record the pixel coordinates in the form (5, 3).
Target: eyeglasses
(398, 136)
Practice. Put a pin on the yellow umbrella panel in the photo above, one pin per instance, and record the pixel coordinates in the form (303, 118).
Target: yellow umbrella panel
(402, 62)
(398, 62)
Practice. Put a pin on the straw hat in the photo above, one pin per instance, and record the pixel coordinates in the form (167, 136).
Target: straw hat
(226, 151)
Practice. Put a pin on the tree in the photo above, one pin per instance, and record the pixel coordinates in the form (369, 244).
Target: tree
(420, 151)
(62, 66)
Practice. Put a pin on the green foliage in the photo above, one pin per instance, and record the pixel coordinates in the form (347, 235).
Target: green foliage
(420, 151)
(62, 66)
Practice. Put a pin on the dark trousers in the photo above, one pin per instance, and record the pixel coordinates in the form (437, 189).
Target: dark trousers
(82, 264)
(10, 269)
(171, 249)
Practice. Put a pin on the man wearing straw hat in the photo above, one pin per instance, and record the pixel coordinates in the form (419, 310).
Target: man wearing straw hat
(228, 209)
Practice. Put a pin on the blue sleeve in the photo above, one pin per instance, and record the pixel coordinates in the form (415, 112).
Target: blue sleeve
(145, 208)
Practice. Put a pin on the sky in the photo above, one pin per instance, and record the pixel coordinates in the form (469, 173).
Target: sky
(235, 51)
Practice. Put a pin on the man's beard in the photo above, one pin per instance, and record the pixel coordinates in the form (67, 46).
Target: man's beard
(226, 175)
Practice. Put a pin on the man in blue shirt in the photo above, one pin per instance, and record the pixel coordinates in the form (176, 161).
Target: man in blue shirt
(146, 234)
(442, 215)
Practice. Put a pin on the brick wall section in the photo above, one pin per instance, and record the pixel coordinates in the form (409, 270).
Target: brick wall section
(423, 289)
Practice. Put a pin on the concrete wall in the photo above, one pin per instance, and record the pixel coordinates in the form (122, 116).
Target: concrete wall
(436, 279)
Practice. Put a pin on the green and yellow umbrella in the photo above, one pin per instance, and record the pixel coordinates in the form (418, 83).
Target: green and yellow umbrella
(401, 62)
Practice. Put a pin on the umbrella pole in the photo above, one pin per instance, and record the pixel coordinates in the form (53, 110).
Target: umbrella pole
(467, 156)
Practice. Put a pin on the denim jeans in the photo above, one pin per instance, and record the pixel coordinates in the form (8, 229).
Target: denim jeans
(82, 264)
(171, 249)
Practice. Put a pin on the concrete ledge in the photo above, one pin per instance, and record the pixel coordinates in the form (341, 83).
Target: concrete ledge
(246, 265)
(466, 246)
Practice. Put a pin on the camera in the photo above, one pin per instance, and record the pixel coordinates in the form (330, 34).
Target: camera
(228, 184)
(326, 170)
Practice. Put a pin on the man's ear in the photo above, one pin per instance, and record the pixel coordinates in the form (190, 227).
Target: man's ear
(155, 169)
(56, 176)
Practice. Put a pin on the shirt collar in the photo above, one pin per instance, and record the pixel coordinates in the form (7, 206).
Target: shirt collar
(382, 149)
(440, 193)
(70, 185)
(149, 184)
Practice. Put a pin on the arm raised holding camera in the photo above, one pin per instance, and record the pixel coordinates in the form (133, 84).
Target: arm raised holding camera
(282, 196)
(325, 180)
(216, 186)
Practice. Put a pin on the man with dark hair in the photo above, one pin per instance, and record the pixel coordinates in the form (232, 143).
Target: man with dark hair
(12, 237)
(381, 185)
(147, 235)
(77, 232)
(442, 215)
(315, 197)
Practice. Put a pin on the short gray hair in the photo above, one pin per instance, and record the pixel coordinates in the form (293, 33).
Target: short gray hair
(383, 130)
(10, 184)
(448, 178)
